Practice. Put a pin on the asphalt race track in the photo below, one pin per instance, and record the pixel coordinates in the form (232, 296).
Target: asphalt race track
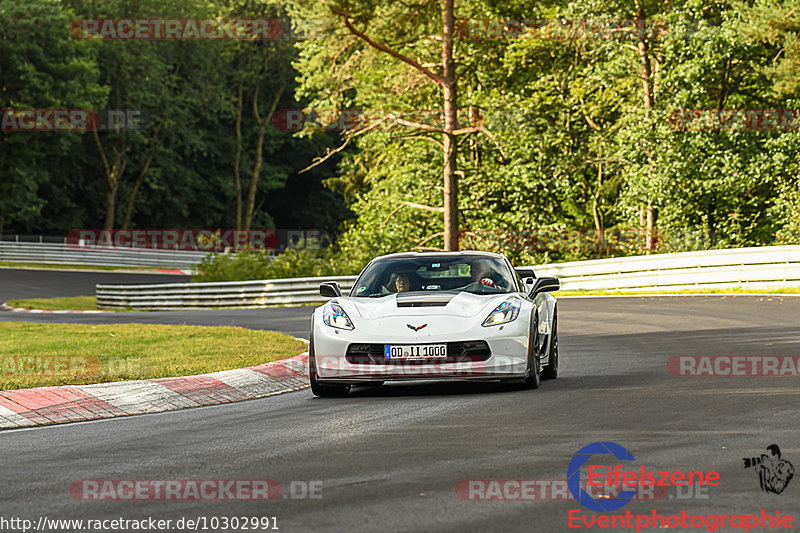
(25, 283)
(19, 283)
(292, 320)
(389, 459)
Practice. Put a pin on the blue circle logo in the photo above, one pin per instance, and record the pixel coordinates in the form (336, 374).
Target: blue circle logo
(574, 476)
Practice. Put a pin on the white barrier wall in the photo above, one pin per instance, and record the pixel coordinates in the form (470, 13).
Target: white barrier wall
(64, 254)
(771, 266)
(774, 266)
(262, 293)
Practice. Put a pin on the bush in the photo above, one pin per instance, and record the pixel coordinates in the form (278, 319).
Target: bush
(226, 267)
(293, 263)
(299, 263)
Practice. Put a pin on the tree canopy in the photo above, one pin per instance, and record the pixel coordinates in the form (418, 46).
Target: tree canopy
(547, 130)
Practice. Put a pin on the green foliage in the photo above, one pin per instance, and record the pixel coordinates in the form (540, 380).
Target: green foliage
(292, 263)
(295, 263)
(51, 183)
(41, 66)
(776, 24)
(572, 145)
(233, 267)
(568, 143)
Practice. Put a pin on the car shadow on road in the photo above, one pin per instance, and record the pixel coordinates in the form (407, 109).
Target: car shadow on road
(433, 388)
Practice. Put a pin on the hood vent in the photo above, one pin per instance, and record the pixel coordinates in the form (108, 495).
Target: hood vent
(424, 300)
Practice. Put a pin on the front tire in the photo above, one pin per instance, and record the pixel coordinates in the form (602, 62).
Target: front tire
(323, 391)
(551, 370)
(532, 374)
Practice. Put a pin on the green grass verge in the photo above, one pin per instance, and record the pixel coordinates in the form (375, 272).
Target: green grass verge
(36, 355)
(73, 303)
(735, 290)
(54, 266)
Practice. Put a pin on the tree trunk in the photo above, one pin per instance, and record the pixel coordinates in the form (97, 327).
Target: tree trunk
(474, 153)
(647, 88)
(237, 159)
(450, 124)
(448, 83)
(259, 159)
(712, 224)
(111, 198)
(259, 163)
(598, 224)
(131, 201)
(114, 172)
(114, 178)
(139, 179)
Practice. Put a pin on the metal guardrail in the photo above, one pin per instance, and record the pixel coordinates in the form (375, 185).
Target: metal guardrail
(242, 294)
(776, 266)
(763, 267)
(64, 254)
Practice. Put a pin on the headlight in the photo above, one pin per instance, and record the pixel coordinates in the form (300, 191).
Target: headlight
(334, 316)
(503, 313)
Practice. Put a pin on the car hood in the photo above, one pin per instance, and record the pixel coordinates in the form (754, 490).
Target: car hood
(462, 304)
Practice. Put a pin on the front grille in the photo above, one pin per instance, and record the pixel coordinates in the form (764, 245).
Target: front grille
(457, 352)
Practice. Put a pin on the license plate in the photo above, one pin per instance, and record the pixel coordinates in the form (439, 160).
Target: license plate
(415, 351)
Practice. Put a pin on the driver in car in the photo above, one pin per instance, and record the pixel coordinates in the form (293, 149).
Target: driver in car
(402, 282)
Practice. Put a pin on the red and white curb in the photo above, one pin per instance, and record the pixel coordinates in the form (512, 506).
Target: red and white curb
(73, 403)
(184, 271)
(6, 307)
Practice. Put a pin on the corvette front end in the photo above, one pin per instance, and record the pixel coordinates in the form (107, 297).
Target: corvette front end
(444, 316)
(468, 336)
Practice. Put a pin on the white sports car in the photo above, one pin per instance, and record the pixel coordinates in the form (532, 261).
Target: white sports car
(442, 316)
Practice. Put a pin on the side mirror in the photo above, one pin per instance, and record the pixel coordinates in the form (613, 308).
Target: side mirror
(544, 285)
(525, 273)
(330, 289)
(527, 284)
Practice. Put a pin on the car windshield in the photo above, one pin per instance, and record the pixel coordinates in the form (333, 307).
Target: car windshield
(469, 273)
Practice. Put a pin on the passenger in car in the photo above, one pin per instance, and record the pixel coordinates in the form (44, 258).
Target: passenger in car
(485, 277)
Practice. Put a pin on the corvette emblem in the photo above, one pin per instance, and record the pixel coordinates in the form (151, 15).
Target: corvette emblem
(417, 328)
